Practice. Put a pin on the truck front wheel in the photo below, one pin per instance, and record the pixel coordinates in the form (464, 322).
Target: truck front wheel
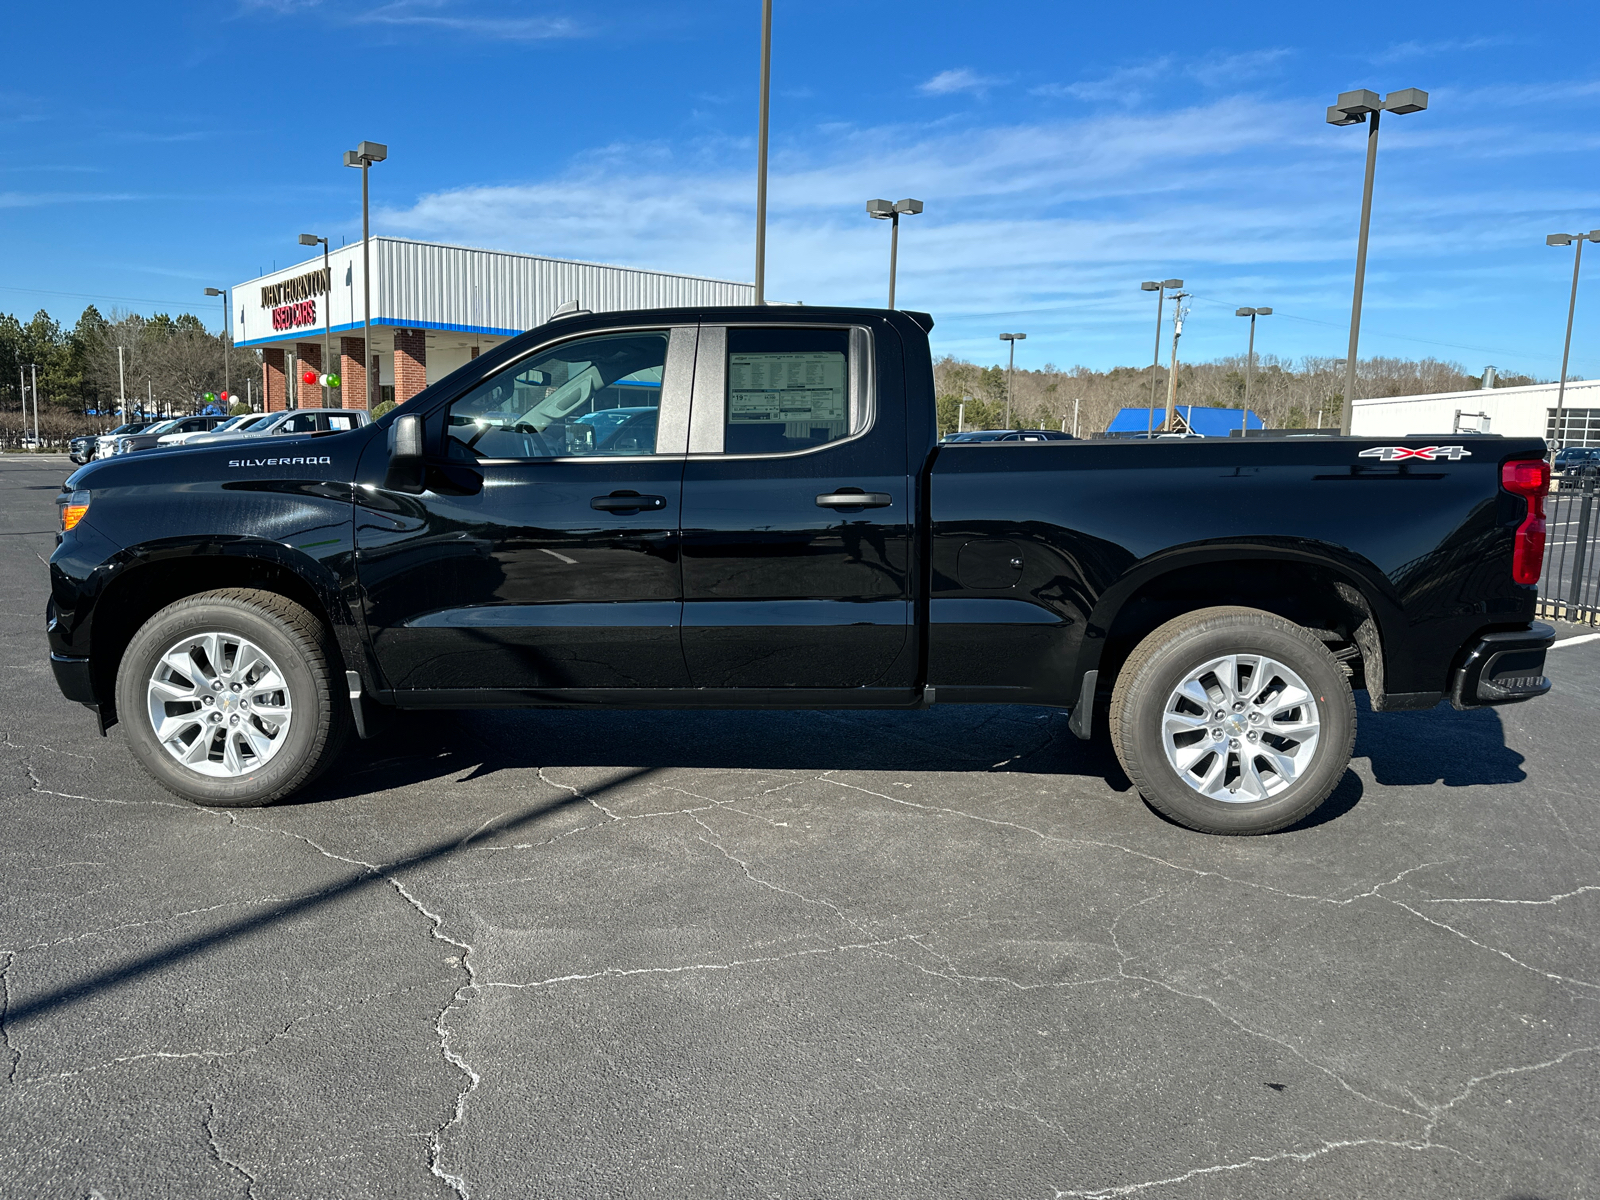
(228, 698)
(1233, 721)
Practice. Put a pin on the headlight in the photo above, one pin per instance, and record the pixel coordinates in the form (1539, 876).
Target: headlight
(72, 505)
(121, 446)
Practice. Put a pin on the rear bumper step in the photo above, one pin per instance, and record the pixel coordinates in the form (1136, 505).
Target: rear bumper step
(1503, 668)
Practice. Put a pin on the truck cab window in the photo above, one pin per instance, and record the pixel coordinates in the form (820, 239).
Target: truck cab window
(788, 389)
(594, 396)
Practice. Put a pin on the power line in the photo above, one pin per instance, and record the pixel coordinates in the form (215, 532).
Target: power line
(97, 296)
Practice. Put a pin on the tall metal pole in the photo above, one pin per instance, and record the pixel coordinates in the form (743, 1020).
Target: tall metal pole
(227, 359)
(34, 367)
(761, 156)
(327, 321)
(894, 252)
(1155, 365)
(1361, 276)
(1249, 369)
(122, 388)
(1010, 366)
(366, 284)
(1566, 349)
(1075, 404)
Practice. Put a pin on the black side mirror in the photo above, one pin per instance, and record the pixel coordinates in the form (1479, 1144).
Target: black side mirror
(406, 470)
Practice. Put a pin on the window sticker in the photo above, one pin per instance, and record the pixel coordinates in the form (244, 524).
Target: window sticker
(794, 388)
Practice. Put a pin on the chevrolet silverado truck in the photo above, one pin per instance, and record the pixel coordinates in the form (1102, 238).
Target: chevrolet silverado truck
(749, 508)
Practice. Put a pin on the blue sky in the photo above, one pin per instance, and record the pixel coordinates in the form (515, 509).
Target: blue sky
(1064, 151)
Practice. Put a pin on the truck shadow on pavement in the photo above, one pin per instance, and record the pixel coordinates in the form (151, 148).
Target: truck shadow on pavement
(1457, 749)
(1441, 745)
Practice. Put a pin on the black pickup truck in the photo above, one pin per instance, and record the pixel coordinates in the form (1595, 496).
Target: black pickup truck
(748, 507)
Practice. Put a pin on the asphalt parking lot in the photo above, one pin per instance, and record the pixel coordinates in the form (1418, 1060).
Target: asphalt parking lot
(946, 954)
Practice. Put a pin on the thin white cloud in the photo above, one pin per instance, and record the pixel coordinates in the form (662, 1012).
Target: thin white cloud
(1138, 82)
(451, 16)
(956, 80)
(1408, 51)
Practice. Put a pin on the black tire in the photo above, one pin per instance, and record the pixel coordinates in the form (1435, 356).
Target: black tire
(1182, 646)
(305, 654)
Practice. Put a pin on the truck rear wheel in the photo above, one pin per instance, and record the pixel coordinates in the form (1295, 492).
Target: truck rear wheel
(1233, 721)
(228, 698)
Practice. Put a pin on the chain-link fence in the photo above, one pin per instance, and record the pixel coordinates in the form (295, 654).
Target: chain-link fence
(1569, 587)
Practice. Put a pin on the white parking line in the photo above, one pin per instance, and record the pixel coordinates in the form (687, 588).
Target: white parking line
(1576, 641)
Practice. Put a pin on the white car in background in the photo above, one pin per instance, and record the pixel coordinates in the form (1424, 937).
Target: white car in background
(291, 421)
(181, 439)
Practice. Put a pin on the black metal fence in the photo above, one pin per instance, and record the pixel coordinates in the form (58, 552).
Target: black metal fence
(1569, 587)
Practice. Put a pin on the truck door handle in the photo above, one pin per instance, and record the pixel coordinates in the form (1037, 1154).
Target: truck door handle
(627, 502)
(854, 498)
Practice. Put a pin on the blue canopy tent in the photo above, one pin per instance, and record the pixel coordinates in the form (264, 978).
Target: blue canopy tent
(1206, 422)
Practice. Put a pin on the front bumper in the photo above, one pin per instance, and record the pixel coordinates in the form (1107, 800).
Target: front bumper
(72, 677)
(1503, 668)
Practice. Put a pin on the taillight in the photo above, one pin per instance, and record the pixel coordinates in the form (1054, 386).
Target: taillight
(1530, 479)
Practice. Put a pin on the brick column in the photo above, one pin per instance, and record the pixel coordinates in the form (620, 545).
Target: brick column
(352, 374)
(474, 352)
(273, 397)
(310, 356)
(410, 363)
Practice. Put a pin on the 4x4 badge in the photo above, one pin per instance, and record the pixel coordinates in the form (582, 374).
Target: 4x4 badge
(1425, 453)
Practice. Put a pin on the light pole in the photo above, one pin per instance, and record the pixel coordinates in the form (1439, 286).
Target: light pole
(882, 210)
(311, 239)
(34, 370)
(1150, 285)
(1013, 338)
(1568, 239)
(1250, 357)
(761, 153)
(227, 379)
(1352, 109)
(364, 156)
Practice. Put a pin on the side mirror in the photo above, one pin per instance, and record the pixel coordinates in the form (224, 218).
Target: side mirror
(406, 471)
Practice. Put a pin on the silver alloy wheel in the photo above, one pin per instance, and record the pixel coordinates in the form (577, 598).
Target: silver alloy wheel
(219, 704)
(1240, 728)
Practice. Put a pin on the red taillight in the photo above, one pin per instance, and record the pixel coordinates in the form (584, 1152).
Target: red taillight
(1530, 479)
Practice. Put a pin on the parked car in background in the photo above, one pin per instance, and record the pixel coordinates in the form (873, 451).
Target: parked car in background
(82, 449)
(290, 421)
(150, 438)
(232, 423)
(1009, 435)
(1574, 459)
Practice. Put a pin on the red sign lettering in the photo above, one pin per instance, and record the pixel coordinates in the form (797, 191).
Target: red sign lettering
(294, 316)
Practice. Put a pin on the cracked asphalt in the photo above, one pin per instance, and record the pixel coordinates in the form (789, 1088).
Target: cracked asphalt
(790, 954)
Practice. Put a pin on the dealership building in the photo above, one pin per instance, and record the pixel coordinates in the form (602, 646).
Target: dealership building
(1514, 411)
(434, 308)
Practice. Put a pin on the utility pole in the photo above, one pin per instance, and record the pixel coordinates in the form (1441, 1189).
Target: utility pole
(1567, 239)
(1159, 288)
(1178, 313)
(761, 153)
(1013, 338)
(1250, 358)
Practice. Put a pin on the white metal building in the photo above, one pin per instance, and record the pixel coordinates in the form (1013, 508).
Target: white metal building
(434, 308)
(1515, 411)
